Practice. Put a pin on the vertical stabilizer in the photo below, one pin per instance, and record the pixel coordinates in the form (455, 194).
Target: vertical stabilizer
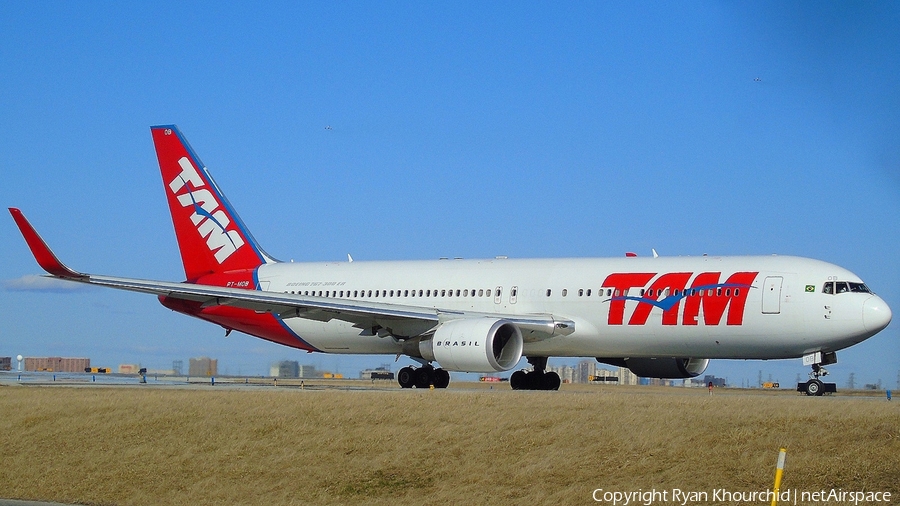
(211, 236)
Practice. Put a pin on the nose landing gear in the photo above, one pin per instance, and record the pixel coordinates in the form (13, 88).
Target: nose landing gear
(815, 386)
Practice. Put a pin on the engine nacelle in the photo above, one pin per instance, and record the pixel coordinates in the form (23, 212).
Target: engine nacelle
(474, 345)
(665, 368)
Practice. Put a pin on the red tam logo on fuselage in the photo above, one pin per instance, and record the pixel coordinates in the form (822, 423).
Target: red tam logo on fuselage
(668, 290)
(211, 222)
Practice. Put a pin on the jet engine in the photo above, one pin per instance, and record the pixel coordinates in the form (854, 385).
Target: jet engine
(474, 345)
(666, 368)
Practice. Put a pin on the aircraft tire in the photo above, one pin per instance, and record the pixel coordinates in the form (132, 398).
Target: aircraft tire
(424, 377)
(814, 387)
(518, 380)
(441, 378)
(551, 381)
(406, 377)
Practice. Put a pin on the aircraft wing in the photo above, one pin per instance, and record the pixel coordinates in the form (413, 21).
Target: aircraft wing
(400, 320)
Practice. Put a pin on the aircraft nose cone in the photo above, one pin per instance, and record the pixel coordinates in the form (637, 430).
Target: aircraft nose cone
(876, 314)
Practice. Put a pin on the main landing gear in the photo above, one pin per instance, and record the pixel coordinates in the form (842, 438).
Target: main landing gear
(537, 379)
(423, 377)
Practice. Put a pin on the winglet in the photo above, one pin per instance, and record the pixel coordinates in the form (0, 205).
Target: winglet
(45, 258)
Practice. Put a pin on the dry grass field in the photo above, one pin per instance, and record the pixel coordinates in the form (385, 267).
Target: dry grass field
(208, 445)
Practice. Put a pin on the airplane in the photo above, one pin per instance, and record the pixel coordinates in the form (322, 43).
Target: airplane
(661, 317)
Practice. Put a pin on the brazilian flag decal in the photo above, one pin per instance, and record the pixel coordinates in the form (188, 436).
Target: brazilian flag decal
(810, 288)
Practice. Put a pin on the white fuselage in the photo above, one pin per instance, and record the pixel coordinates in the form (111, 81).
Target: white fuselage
(786, 312)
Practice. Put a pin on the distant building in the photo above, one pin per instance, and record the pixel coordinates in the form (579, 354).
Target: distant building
(203, 366)
(585, 370)
(626, 377)
(5, 363)
(308, 371)
(177, 367)
(57, 364)
(383, 372)
(717, 382)
(285, 369)
(567, 373)
(129, 368)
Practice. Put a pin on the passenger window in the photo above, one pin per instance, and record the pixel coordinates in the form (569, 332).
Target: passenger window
(487, 293)
(548, 292)
(443, 293)
(580, 292)
(589, 292)
(465, 293)
(481, 292)
(565, 292)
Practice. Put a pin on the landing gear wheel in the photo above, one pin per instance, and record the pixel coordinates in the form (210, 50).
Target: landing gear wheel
(406, 377)
(424, 377)
(441, 378)
(519, 380)
(814, 387)
(535, 380)
(551, 381)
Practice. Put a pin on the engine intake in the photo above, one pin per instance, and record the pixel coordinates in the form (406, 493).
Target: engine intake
(474, 345)
(665, 368)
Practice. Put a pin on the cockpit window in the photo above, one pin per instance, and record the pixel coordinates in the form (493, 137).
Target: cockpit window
(833, 287)
(859, 288)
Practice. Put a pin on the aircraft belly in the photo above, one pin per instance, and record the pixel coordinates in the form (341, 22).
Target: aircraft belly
(756, 338)
(340, 337)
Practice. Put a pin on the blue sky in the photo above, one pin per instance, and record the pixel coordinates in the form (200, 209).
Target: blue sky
(457, 130)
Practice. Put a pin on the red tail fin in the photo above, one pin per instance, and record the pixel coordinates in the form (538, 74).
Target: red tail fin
(211, 236)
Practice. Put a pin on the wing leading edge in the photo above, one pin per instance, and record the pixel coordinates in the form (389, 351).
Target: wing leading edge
(400, 320)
